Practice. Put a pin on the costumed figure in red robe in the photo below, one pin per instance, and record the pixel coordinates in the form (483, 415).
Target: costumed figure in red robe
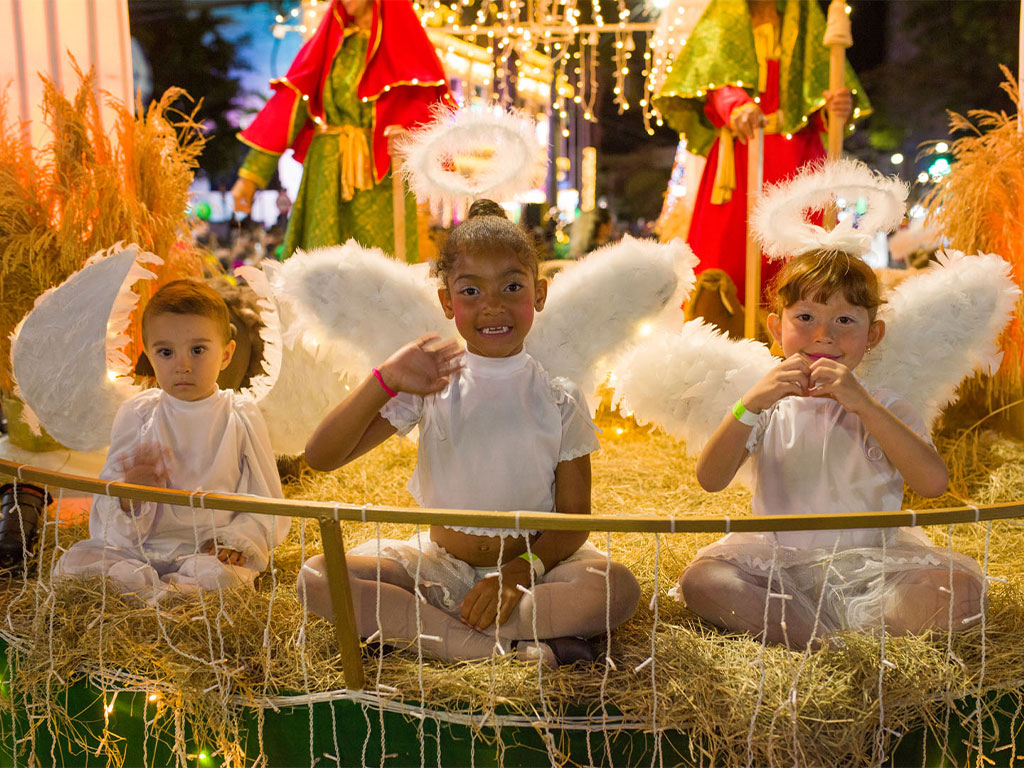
(750, 63)
(369, 67)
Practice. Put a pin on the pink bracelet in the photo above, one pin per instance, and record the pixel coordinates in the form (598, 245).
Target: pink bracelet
(386, 388)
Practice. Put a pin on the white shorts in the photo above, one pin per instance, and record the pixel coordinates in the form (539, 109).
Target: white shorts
(848, 585)
(443, 579)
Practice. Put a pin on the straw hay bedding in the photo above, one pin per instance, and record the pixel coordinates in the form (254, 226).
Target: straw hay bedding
(707, 684)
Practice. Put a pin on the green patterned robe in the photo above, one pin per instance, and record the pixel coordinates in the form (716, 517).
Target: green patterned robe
(720, 51)
(319, 216)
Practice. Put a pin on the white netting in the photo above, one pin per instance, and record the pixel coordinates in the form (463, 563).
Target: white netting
(211, 648)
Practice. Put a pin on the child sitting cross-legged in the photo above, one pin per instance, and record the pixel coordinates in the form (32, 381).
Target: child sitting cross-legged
(495, 433)
(186, 433)
(822, 442)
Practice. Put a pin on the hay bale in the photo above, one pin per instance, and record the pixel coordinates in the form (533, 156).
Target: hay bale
(203, 656)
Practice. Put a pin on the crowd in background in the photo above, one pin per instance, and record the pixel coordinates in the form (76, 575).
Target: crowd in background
(236, 241)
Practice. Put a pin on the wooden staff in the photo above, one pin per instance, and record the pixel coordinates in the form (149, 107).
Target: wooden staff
(755, 177)
(392, 132)
(838, 37)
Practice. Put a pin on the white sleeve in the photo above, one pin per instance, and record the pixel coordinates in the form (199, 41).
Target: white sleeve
(404, 411)
(905, 412)
(106, 518)
(578, 429)
(756, 436)
(251, 534)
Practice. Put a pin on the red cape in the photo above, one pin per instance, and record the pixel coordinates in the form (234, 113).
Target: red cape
(403, 78)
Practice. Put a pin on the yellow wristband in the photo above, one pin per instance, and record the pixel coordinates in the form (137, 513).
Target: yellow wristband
(743, 416)
(536, 565)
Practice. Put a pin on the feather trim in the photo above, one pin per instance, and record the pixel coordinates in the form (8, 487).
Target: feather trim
(603, 302)
(125, 302)
(686, 381)
(465, 154)
(68, 352)
(780, 218)
(684, 262)
(940, 326)
(360, 298)
(304, 377)
(306, 389)
(270, 318)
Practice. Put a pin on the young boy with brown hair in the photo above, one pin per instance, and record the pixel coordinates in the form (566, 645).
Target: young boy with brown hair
(185, 433)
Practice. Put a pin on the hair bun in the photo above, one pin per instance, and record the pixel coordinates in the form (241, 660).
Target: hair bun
(485, 207)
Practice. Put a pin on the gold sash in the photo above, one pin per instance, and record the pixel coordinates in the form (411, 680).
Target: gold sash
(766, 44)
(725, 174)
(353, 158)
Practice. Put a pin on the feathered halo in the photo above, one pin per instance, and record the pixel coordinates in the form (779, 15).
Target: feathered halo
(781, 217)
(466, 154)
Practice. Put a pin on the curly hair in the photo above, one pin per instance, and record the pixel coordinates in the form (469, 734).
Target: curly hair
(486, 230)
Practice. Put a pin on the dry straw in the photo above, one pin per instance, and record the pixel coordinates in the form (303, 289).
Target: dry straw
(86, 191)
(979, 207)
(708, 684)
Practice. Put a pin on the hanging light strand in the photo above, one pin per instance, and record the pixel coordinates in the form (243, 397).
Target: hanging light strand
(591, 106)
(510, 30)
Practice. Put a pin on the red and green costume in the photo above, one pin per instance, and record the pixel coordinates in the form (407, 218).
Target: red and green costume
(342, 91)
(725, 64)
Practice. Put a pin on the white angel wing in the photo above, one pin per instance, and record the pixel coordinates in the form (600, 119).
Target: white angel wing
(940, 326)
(598, 305)
(67, 352)
(360, 299)
(328, 316)
(686, 381)
(303, 377)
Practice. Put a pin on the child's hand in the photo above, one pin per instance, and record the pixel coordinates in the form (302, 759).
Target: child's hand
(833, 379)
(148, 466)
(225, 555)
(480, 606)
(422, 367)
(790, 377)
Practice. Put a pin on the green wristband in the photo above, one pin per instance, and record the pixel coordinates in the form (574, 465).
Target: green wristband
(743, 416)
(536, 565)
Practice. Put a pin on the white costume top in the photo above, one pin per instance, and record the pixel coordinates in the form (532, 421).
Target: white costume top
(492, 438)
(812, 456)
(219, 444)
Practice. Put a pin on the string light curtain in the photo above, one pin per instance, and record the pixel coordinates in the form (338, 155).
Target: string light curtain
(571, 33)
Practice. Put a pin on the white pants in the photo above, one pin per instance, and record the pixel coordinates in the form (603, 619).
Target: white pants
(443, 579)
(133, 572)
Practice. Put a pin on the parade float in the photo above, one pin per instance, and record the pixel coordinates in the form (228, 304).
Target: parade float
(251, 678)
